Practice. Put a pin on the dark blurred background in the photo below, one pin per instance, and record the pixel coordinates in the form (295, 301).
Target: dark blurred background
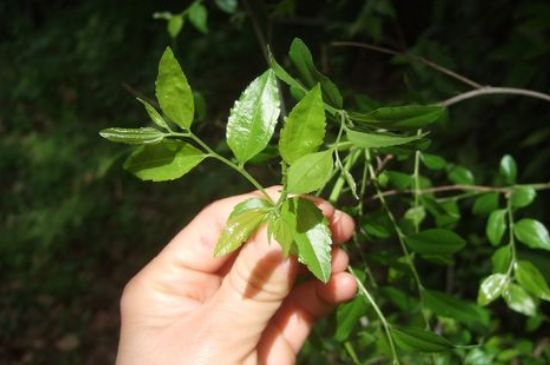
(74, 227)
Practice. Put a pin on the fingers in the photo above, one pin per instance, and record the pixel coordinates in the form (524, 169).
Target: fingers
(292, 324)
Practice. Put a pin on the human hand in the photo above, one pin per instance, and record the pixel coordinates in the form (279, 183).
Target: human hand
(189, 307)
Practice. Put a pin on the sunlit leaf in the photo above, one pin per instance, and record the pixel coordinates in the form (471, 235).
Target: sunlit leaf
(496, 226)
(310, 172)
(532, 233)
(313, 239)
(154, 114)
(522, 197)
(304, 129)
(532, 280)
(173, 91)
(253, 117)
(519, 300)
(168, 160)
(491, 287)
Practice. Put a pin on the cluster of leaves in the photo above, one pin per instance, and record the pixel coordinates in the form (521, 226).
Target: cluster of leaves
(309, 163)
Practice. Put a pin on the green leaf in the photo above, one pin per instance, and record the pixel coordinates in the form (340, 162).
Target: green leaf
(132, 135)
(519, 300)
(347, 317)
(168, 160)
(238, 229)
(249, 204)
(416, 215)
(491, 287)
(433, 162)
(501, 259)
(283, 226)
(284, 76)
(304, 129)
(174, 25)
(310, 172)
(508, 169)
(154, 114)
(522, 197)
(461, 175)
(435, 242)
(496, 226)
(173, 92)
(313, 239)
(401, 117)
(532, 233)
(197, 15)
(229, 6)
(446, 305)
(485, 203)
(416, 339)
(532, 280)
(253, 117)
(378, 140)
(303, 61)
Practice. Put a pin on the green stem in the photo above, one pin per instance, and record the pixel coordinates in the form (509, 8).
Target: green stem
(239, 169)
(416, 178)
(400, 234)
(387, 328)
(511, 239)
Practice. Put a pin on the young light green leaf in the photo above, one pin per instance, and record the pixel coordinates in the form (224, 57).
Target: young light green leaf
(303, 61)
(415, 215)
(174, 25)
(249, 204)
(378, 140)
(416, 339)
(310, 172)
(532, 233)
(486, 203)
(229, 6)
(173, 91)
(238, 229)
(461, 175)
(501, 259)
(496, 226)
(168, 160)
(519, 300)
(197, 15)
(253, 117)
(347, 316)
(283, 226)
(284, 76)
(491, 287)
(523, 196)
(435, 242)
(532, 280)
(433, 162)
(508, 169)
(446, 305)
(313, 239)
(401, 117)
(304, 129)
(133, 135)
(154, 114)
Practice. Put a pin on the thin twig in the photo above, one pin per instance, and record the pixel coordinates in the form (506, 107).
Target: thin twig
(495, 90)
(461, 187)
(419, 59)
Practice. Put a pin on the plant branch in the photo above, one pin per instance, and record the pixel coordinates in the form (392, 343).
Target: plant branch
(229, 163)
(419, 59)
(461, 187)
(387, 328)
(490, 90)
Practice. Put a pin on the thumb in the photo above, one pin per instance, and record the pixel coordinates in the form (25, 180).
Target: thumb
(255, 286)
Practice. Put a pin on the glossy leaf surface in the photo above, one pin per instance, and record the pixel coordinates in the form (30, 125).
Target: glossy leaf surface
(132, 135)
(310, 172)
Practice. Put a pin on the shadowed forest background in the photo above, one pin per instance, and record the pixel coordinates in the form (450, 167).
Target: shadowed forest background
(74, 227)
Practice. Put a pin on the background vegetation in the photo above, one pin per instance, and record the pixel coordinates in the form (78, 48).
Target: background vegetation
(74, 227)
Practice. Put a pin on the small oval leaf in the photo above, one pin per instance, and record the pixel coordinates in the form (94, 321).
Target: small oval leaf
(496, 226)
(519, 300)
(522, 197)
(310, 172)
(532, 233)
(491, 287)
(532, 280)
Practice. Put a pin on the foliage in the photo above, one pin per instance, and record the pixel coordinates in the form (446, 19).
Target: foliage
(463, 218)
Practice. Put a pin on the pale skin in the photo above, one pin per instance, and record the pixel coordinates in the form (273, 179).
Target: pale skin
(188, 307)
